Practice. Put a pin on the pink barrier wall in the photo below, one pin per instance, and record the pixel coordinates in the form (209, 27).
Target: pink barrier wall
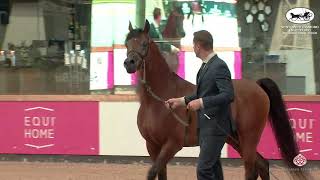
(305, 119)
(73, 128)
(49, 128)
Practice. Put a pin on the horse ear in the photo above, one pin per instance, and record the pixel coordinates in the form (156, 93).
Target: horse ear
(146, 27)
(130, 26)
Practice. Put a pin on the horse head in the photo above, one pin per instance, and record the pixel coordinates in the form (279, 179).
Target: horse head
(137, 44)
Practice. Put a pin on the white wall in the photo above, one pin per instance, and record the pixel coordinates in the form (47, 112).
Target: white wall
(119, 134)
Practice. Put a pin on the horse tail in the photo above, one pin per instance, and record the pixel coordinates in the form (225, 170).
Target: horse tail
(279, 120)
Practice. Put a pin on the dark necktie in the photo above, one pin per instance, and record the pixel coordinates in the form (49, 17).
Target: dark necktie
(201, 70)
(202, 66)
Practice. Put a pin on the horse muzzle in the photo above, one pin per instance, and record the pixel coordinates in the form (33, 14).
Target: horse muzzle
(130, 66)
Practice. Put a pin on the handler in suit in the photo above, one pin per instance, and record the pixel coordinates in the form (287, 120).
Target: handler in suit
(212, 102)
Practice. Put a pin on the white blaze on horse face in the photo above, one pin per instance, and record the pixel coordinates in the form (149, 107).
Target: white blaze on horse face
(137, 45)
(132, 44)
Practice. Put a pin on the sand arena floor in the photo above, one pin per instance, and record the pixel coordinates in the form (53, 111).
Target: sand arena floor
(111, 171)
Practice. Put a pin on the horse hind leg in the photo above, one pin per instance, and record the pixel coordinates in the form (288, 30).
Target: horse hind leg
(262, 166)
(247, 156)
(247, 150)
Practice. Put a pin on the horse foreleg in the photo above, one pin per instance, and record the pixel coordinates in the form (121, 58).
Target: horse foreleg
(153, 151)
(167, 152)
(163, 174)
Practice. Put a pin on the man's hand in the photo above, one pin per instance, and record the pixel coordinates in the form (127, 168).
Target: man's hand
(195, 104)
(174, 103)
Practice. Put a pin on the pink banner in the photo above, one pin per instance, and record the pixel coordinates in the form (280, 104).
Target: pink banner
(49, 128)
(305, 120)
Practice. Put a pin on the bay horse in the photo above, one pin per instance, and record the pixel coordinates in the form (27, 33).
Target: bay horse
(165, 136)
(173, 32)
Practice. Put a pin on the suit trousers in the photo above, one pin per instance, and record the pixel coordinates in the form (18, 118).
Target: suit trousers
(209, 165)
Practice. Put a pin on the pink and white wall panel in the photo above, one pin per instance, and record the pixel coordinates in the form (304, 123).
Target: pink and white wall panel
(101, 70)
(121, 77)
(110, 128)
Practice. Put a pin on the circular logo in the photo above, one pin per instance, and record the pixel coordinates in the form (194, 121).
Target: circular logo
(300, 160)
(300, 15)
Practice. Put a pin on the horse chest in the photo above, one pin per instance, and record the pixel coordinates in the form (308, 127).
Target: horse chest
(151, 120)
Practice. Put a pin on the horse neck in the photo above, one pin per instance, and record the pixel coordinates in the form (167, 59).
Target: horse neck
(157, 72)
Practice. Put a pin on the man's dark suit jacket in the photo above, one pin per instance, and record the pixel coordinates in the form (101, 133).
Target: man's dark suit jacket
(215, 87)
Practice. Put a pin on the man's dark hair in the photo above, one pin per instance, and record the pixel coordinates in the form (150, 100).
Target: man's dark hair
(156, 13)
(204, 38)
